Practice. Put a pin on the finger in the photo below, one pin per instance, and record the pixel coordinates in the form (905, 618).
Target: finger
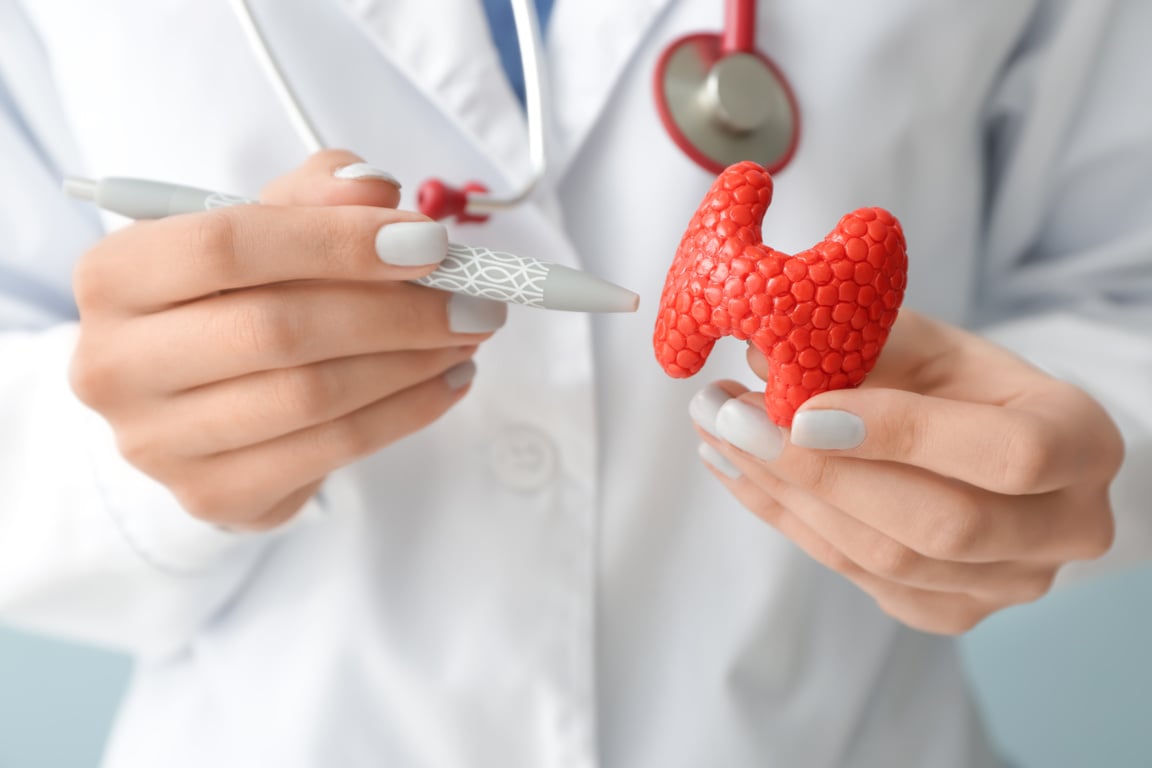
(1005, 450)
(886, 557)
(259, 407)
(924, 609)
(242, 478)
(153, 265)
(757, 362)
(334, 177)
(938, 517)
(288, 326)
(706, 404)
(1008, 450)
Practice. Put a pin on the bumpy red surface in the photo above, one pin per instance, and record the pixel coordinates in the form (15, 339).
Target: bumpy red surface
(821, 316)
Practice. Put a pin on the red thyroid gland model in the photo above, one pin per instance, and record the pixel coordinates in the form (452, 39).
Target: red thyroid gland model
(820, 317)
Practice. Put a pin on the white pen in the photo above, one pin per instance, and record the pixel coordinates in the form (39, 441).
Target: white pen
(466, 269)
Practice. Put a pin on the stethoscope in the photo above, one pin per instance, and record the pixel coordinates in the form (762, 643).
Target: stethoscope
(721, 100)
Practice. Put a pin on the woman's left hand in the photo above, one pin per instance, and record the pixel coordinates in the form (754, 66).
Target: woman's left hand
(955, 482)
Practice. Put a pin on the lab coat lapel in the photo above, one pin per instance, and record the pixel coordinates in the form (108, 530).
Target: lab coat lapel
(590, 43)
(443, 47)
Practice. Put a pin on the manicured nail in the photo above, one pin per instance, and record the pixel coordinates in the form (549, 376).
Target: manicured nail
(460, 375)
(469, 314)
(705, 405)
(827, 429)
(713, 457)
(358, 171)
(748, 428)
(412, 243)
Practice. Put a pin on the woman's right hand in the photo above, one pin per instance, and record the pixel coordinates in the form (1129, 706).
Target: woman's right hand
(244, 353)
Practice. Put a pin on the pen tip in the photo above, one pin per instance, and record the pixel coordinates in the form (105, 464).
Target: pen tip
(571, 289)
(83, 189)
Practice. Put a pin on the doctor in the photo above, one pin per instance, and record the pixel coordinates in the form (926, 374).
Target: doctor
(344, 520)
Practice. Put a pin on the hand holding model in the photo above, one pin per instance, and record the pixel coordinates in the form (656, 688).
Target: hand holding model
(953, 483)
(243, 353)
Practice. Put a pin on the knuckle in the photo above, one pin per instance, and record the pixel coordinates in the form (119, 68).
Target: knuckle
(769, 510)
(346, 439)
(90, 281)
(816, 473)
(268, 327)
(892, 560)
(91, 377)
(139, 448)
(903, 432)
(954, 534)
(839, 562)
(205, 500)
(1025, 458)
(1113, 449)
(202, 505)
(274, 518)
(1101, 543)
(958, 621)
(1100, 535)
(307, 392)
(212, 245)
(1034, 587)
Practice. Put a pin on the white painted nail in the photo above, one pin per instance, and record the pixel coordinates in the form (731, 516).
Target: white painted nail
(469, 314)
(827, 429)
(705, 405)
(412, 243)
(748, 428)
(358, 171)
(712, 456)
(460, 375)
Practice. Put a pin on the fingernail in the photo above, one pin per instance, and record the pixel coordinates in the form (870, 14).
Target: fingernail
(748, 428)
(827, 429)
(712, 456)
(412, 243)
(357, 171)
(705, 405)
(460, 375)
(469, 314)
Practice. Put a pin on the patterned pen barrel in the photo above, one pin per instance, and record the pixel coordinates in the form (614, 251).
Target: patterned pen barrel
(515, 279)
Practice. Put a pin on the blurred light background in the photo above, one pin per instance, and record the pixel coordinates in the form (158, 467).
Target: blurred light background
(1066, 683)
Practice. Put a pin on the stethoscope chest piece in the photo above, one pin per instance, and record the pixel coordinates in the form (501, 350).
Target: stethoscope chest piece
(722, 106)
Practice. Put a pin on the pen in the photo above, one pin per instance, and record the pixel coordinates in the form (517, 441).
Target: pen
(466, 269)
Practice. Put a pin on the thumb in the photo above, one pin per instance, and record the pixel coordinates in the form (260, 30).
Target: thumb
(334, 177)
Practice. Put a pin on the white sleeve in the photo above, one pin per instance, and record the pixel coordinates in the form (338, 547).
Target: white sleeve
(1068, 278)
(90, 548)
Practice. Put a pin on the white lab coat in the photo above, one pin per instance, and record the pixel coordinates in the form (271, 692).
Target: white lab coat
(547, 577)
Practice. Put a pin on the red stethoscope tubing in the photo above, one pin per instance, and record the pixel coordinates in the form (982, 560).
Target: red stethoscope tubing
(739, 26)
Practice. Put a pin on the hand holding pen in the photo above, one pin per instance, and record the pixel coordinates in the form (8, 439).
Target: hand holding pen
(240, 357)
(479, 272)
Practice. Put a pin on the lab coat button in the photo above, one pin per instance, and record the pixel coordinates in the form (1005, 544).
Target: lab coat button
(523, 458)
